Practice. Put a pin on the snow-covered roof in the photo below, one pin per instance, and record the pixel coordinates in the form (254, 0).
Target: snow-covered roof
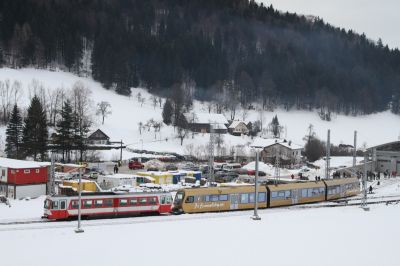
(234, 124)
(18, 164)
(207, 118)
(262, 143)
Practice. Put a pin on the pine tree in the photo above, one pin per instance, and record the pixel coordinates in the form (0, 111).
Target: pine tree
(81, 128)
(14, 135)
(167, 112)
(275, 127)
(65, 132)
(35, 132)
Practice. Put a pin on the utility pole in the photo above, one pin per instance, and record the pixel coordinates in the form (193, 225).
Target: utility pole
(277, 165)
(364, 200)
(79, 229)
(355, 150)
(120, 156)
(255, 216)
(328, 146)
(211, 156)
(52, 177)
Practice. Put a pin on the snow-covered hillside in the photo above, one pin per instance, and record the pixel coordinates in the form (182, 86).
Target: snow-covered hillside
(128, 112)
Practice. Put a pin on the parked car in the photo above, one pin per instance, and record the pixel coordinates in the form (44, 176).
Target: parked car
(135, 165)
(171, 167)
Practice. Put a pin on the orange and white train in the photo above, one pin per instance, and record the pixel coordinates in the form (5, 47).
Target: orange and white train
(107, 204)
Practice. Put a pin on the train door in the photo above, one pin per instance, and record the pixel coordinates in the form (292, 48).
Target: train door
(234, 201)
(295, 196)
(63, 208)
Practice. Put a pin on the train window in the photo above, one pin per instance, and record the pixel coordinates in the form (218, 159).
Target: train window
(143, 201)
(274, 194)
(98, 203)
(152, 201)
(214, 198)
(251, 197)
(87, 203)
(198, 198)
(261, 196)
(133, 201)
(74, 204)
(288, 194)
(123, 202)
(304, 193)
(55, 205)
(223, 197)
(189, 199)
(321, 190)
(169, 199)
(47, 204)
(281, 194)
(244, 198)
(108, 203)
(62, 205)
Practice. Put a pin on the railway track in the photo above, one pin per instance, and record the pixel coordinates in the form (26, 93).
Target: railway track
(42, 224)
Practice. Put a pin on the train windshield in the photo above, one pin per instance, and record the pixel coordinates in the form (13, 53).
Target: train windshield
(47, 204)
(179, 198)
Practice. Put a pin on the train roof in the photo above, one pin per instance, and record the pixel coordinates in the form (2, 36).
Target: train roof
(110, 193)
(299, 185)
(225, 189)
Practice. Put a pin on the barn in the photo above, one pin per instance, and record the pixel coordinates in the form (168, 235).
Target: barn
(19, 179)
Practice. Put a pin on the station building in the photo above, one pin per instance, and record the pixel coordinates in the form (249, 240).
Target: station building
(386, 157)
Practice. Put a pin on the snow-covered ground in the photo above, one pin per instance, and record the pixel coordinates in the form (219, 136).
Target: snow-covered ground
(323, 236)
(127, 113)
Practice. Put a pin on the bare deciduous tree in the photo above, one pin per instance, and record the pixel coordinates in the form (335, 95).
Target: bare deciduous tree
(103, 109)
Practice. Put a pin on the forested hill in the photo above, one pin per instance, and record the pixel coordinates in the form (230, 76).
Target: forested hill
(233, 50)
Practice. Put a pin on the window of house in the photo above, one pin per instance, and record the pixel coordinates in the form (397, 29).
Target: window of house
(27, 171)
(3, 172)
(37, 171)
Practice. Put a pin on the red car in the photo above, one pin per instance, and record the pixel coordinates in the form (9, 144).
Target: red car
(135, 165)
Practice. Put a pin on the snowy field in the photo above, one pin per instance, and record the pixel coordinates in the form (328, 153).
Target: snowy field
(127, 113)
(323, 236)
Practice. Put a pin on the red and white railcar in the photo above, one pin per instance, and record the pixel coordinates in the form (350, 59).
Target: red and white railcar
(107, 204)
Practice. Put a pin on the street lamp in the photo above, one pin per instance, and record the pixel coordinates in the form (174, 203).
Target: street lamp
(255, 215)
(79, 229)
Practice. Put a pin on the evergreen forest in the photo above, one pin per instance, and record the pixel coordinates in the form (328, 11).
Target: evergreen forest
(237, 50)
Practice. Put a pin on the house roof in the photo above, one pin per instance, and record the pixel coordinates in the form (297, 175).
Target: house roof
(98, 134)
(234, 124)
(206, 118)
(263, 143)
(20, 164)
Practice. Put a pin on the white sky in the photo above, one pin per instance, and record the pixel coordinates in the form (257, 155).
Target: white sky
(377, 19)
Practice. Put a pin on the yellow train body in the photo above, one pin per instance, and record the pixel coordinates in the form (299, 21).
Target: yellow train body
(215, 199)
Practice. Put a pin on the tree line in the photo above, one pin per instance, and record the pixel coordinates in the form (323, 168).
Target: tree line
(67, 113)
(253, 52)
